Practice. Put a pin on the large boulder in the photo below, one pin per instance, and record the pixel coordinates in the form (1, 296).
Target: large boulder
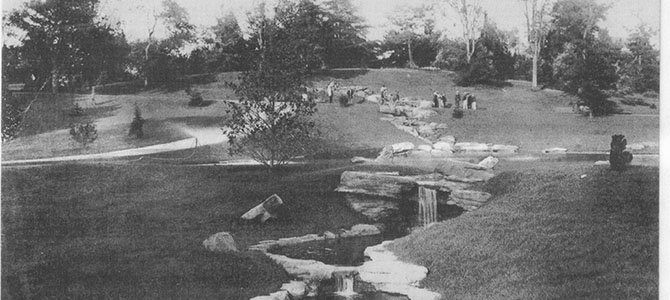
(461, 172)
(266, 210)
(297, 289)
(420, 113)
(220, 242)
(489, 162)
(471, 147)
(374, 98)
(394, 187)
(402, 147)
(444, 146)
(374, 208)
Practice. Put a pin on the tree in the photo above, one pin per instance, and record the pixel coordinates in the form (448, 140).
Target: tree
(492, 62)
(229, 45)
(537, 23)
(271, 121)
(175, 20)
(347, 46)
(583, 55)
(470, 14)
(411, 23)
(64, 39)
(638, 68)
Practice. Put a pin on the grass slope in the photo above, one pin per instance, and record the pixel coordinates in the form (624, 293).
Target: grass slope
(547, 234)
(135, 231)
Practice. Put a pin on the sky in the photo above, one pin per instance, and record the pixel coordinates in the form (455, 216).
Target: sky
(622, 17)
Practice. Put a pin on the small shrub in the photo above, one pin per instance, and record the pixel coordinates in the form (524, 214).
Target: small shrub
(84, 133)
(195, 97)
(343, 100)
(11, 117)
(652, 106)
(76, 111)
(457, 114)
(137, 124)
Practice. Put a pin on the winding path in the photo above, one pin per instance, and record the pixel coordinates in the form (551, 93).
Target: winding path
(200, 137)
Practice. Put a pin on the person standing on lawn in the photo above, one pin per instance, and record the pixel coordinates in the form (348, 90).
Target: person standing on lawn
(331, 90)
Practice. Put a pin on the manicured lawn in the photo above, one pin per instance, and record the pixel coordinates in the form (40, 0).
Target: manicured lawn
(91, 231)
(549, 234)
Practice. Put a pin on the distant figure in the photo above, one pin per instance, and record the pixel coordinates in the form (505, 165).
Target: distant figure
(443, 99)
(457, 100)
(472, 102)
(330, 90)
(436, 102)
(396, 97)
(464, 100)
(350, 94)
(382, 92)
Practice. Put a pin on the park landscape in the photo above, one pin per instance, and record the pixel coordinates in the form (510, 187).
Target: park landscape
(160, 215)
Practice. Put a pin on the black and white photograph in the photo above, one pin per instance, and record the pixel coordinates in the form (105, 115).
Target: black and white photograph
(333, 149)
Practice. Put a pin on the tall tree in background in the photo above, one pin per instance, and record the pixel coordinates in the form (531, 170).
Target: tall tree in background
(229, 44)
(412, 22)
(537, 23)
(639, 68)
(582, 55)
(347, 46)
(471, 16)
(63, 38)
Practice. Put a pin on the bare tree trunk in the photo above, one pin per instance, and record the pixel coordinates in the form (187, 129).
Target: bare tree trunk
(54, 80)
(412, 64)
(536, 53)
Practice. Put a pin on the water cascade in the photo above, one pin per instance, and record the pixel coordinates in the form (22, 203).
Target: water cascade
(344, 281)
(427, 206)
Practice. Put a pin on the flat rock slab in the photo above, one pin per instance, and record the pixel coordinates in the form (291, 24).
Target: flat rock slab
(393, 187)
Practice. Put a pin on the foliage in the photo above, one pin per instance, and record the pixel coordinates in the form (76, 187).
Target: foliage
(195, 96)
(84, 133)
(136, 126)
(65, 41)
(413, 25)
(639, 70)
(451, 55)
(470, 15)
(12, 115)
(582, 56)
(492, 62)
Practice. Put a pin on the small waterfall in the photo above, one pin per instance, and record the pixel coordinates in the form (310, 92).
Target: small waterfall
(427, 206)
(344, 281)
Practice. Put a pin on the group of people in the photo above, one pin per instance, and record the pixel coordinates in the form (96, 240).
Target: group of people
(383, 92)
(465, 101)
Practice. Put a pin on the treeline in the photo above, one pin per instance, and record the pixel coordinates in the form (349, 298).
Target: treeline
(67, 46)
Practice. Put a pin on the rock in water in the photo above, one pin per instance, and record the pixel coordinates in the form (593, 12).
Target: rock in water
(267, 209)
(221, 242)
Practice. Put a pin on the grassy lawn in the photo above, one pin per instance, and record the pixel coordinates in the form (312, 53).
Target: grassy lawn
(549, 234)
(511, 115)
(91, 231)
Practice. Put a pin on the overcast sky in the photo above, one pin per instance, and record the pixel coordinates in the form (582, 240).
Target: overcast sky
(623, 15)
